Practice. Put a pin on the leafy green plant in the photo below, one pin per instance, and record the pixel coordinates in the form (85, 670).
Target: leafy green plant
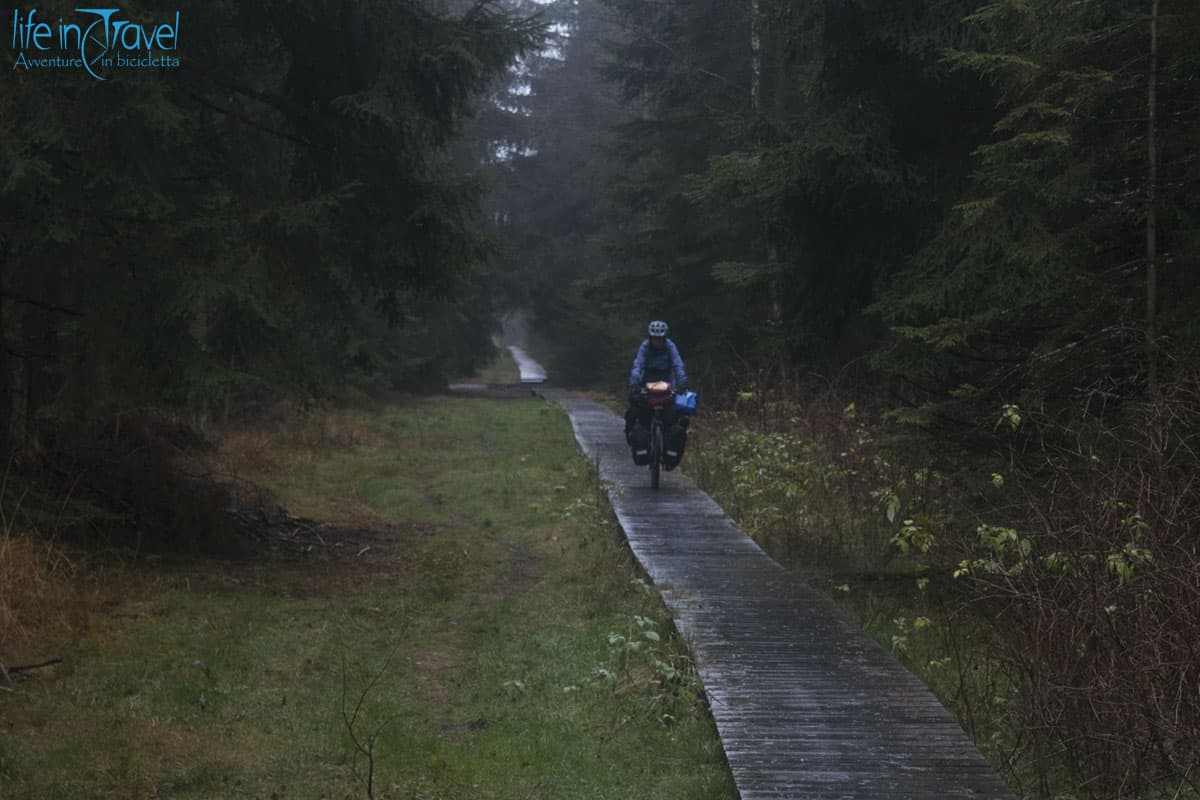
(798, 484)
(656, 667)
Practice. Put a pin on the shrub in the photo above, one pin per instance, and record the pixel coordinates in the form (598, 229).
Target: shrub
(806, 472)
(131, 482)
(1074, 534)
(36, 580)
(1093, 580)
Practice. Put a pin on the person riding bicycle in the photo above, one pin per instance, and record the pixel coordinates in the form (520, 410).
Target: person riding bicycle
(657, 359)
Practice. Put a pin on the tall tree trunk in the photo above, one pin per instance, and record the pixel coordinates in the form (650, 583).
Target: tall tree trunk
(756, 54)
(756, 92)
(781, 75)
(1152, 209)
(6, 373)
(6, 390)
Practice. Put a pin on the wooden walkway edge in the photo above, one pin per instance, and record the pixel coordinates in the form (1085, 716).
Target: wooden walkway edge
(807, 706)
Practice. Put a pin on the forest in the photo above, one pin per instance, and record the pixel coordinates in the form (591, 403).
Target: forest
(933, 264)
(935, 260)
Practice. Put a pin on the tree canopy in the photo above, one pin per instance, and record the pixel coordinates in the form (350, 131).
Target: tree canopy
(960, 190)
(279, 214)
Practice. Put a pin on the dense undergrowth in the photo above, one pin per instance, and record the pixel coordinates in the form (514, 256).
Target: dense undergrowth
(1045, 584)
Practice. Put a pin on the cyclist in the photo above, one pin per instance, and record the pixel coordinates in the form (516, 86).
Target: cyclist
(657, 359)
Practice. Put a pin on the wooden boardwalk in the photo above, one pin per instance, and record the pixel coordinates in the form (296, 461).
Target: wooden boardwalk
(531, 371)
(807, 705)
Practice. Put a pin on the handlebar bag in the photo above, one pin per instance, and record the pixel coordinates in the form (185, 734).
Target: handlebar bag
(685, 403)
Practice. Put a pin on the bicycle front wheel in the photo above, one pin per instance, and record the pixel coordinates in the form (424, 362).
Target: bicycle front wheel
(656, 453)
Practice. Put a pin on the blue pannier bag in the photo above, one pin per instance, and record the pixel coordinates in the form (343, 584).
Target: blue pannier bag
(685, 403)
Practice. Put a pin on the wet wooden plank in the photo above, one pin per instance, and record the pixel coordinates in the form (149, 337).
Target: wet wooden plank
(807, 705)
(531, 371)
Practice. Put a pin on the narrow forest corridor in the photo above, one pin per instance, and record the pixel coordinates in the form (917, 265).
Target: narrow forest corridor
(931, 268)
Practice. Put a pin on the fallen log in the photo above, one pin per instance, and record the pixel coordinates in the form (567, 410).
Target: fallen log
(7, 672)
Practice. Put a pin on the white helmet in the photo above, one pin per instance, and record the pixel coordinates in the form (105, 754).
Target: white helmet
(658, 328)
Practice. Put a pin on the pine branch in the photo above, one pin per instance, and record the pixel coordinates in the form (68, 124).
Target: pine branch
(245, 120)
(29, 301)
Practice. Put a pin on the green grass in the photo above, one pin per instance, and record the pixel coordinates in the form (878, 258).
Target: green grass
(500, 643)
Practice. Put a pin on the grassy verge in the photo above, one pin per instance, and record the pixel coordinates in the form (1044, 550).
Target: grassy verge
(467, 627)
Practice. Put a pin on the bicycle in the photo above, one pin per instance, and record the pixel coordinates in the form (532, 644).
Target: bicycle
(659, 396)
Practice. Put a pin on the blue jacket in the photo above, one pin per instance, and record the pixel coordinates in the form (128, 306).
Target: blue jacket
(658, 365)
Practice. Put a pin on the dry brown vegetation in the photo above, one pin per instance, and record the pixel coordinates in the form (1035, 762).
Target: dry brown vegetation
(1096, 595)
(1072, 631)
(139, 483)
(36, 585)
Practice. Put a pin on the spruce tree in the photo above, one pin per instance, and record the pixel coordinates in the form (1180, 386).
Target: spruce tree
(239, 225)
(1036, 286)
